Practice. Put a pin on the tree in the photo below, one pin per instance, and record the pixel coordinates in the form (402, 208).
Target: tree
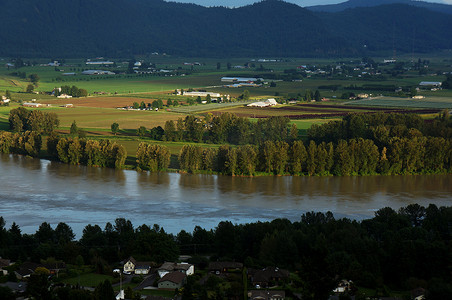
(34, 78)
(308, 95)
(104, 291)
(63, 233)
(114, 128)
(245, 96)
(317, 95)
(170, 131)
(218, 66)
(141, 131)
(8, 94)
(30, 88)
(74, 128)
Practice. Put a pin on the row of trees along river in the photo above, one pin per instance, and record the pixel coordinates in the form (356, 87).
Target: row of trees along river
(360, 144)
(402, 250)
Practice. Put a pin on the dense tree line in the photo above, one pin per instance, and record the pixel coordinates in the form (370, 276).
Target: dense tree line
(26, 143)
(228, 128)
(402, 249)
(21, 119)
(101, 153)
(408, 155)
(152, 157)
(381, 127)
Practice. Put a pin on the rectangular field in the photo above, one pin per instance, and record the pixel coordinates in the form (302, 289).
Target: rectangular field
(428, 102)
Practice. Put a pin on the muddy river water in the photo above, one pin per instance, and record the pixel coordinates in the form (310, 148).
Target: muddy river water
(33, 191)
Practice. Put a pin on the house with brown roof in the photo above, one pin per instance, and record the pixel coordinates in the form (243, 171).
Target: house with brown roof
(137, 267)
(26, 269)
(218, 267)
(172, 281)
(168, 267)
(3, 264)
(267, 277)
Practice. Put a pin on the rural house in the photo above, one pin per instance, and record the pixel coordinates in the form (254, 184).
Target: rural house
(267, 277)
(172, 281)
(137, 267)
(218, 267)
(169, 267)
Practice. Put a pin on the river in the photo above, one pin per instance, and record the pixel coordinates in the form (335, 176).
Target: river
(33, 191)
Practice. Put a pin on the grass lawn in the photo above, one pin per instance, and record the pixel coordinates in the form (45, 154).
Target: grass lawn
(90, 279)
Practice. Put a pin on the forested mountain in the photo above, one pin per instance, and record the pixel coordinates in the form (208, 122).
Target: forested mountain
(121, 28)
(367, 3)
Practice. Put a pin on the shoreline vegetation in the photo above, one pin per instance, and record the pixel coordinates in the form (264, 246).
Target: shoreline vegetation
(318, 245)
(370, 144)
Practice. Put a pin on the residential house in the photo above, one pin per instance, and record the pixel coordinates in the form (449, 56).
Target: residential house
(172, 281)
(268, 277)
(266, 295)
(137, 267)
(3, 264)
(142, 268)
(129, 266)
(169, 267)
(26, 269)
(218, 267)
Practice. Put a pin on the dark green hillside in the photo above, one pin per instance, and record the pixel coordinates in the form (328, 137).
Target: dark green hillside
(123, 28)
(404, 26)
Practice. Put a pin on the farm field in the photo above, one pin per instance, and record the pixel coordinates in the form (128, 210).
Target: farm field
(428, 102)
(95, 119)
(307, 111)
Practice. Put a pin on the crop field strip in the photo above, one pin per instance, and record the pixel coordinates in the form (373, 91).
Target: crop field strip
(429, 103)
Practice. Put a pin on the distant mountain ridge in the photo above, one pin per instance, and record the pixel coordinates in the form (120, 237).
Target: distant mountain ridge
(123, 28)
(333, 8)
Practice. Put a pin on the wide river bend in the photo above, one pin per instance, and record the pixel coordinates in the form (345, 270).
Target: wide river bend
(33, 191)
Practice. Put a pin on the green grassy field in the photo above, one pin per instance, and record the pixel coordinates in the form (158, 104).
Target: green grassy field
(427, 102)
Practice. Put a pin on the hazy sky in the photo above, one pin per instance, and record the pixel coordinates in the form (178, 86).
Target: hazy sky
(303, 3)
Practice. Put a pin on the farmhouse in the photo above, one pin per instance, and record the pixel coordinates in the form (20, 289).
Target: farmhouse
(268, 102)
